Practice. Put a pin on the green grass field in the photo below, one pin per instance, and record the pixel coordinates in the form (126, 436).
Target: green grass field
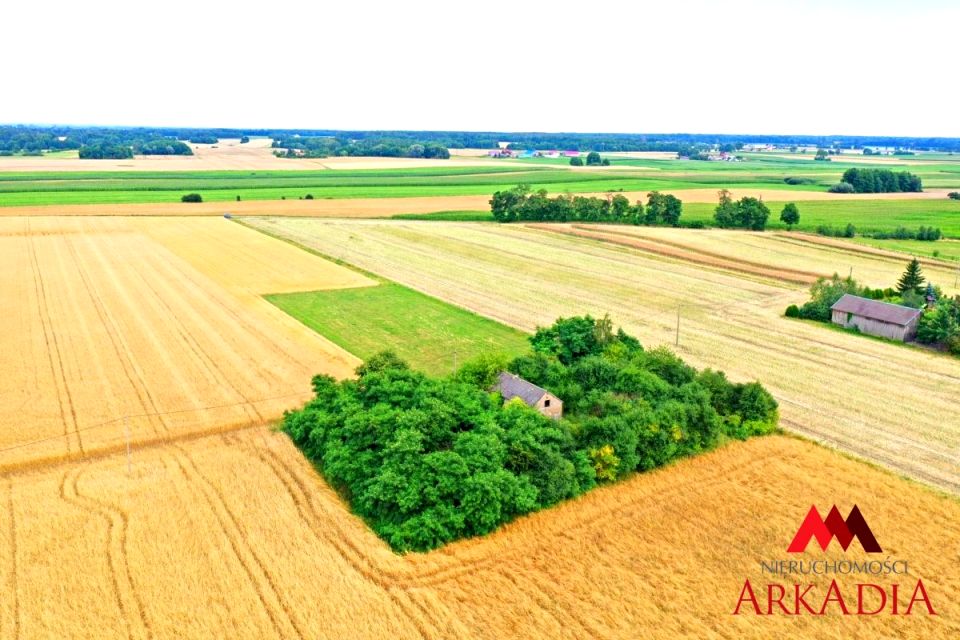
(448, 216)
(943, 249)
(433, 336)
(865, 215)
(628, 174)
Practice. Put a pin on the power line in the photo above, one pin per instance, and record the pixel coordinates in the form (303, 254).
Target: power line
(151, 414)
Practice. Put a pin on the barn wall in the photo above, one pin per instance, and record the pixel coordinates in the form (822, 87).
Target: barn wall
(876, 327)
(555, 410)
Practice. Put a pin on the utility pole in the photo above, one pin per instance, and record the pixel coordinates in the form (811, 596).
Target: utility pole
(126, 428)
(678, 327)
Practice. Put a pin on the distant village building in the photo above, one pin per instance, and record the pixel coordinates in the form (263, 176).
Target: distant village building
(512, 386)
(876, 318)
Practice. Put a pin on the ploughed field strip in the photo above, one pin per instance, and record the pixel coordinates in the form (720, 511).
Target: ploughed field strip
(157, 321)
(237, 534)
(887, 403)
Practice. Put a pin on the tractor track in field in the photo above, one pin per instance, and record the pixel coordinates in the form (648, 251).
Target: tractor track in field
(13, 580)
(54, 357)
(256, 570)
(115, 551)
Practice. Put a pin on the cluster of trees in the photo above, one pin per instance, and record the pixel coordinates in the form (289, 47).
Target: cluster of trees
(954, 195)
(323, 147)
(429, 460)
(881, 181)
(520, 204)
(929, 234)
(593, 160)
(745, 213)
(105, 150)
(939, 325)
(163, 147)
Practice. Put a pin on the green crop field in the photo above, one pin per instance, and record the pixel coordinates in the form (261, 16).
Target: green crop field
(430, 334)
(758, 171)
(943, 249)
(865, 215)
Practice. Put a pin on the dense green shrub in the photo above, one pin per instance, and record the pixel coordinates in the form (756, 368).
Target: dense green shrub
(576, 161)
(954, 195)
(842, 187)
(795, 180)
(426, 461)
(191, 197)
(848, 231)
(793, 311)
(824, 293)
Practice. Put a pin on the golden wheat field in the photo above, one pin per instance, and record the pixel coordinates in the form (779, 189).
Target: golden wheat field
(235, 535)
(829, 383)
(159, 321)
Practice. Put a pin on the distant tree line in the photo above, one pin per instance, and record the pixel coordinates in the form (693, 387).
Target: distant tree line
(425, 461)
(18, 138)
(520, 204)
(323, 147)
(881, 181)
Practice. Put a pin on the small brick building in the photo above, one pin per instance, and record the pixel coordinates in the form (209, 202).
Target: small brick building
(512, 386)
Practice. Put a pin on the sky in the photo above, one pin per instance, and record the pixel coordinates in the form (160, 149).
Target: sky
(854, 67)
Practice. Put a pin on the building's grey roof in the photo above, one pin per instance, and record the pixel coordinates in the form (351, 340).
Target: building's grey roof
(512, 386)
(876, 310)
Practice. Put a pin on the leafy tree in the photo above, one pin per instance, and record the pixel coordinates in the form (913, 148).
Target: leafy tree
(576, 161)
(824, 293)
(593, 159)
(725, 213)
(790, 215)
(912, 279)
(937, 325)
(746, 213)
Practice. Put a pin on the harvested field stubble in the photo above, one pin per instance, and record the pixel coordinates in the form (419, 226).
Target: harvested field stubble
(888, 403)
(156, 320)
(237, 535)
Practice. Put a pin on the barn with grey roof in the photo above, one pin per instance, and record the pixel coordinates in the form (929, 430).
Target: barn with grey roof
(893, 321)
(513, 386)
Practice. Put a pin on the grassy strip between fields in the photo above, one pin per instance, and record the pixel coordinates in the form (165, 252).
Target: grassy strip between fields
(432, 335)
(448, 216)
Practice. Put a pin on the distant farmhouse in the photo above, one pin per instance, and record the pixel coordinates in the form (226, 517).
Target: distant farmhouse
(511, 386)
(876, 318)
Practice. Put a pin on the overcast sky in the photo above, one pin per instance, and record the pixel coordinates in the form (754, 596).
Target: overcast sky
(842, 67)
